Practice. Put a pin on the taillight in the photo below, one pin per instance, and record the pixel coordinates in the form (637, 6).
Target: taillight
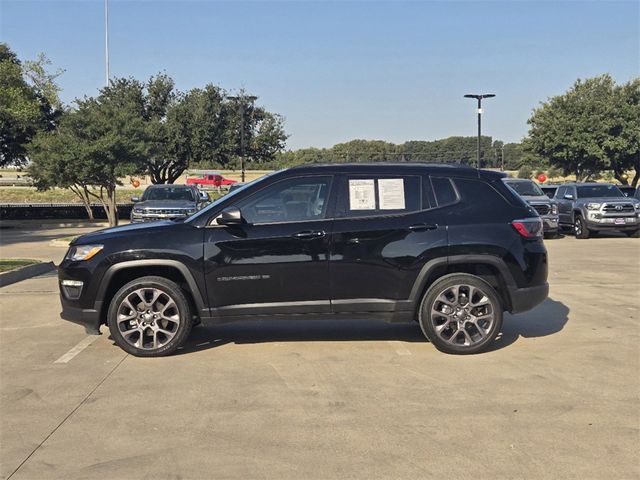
(528, 227)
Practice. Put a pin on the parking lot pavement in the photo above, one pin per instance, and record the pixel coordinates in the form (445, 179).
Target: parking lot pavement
(31, 239)
(556, 397)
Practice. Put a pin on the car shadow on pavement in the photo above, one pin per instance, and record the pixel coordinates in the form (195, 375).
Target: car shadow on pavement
(211, 336)
(546, 319)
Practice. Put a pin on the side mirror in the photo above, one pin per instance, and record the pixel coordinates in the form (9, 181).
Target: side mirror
(204, 196)
(568, 196)
(135, 199)
(230, 216)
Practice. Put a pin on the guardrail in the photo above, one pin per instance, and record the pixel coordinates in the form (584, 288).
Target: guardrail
(66, 211)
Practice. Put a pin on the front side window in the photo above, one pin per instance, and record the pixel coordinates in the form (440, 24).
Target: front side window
(293, 200)
(376, 195)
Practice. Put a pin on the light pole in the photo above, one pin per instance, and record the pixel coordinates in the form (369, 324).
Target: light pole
(106, 41)
(241, 99)
(479, 98)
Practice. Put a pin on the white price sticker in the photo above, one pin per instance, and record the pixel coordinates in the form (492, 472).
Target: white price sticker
(362, 195)
(391, 193)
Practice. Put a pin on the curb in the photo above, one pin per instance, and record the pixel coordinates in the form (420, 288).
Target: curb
(14, 276)
(59, 243)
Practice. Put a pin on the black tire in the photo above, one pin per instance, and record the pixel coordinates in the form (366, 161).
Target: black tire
(177, 325)
(432, 300)
(634, 233)
(580, 227)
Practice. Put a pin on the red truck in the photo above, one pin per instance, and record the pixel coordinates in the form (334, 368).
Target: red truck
(211, 180)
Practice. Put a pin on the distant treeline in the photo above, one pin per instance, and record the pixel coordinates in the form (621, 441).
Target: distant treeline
(448, 150)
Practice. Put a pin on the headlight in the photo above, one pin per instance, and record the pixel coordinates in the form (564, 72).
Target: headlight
(191, 211)
(593, 206)
(84, 252)
(137, 210)
(637, 205)
(554, 209)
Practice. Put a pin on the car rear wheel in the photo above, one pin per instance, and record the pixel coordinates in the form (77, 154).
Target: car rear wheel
(149, 317)
(580, 228)
(461, 314)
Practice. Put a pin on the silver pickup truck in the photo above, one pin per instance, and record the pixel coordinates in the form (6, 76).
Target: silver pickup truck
(541, 203)
(592, 207)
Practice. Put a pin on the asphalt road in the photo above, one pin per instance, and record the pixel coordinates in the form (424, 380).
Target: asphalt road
(557, 397)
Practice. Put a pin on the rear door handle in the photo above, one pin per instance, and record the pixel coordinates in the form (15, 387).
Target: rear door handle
(421, 227)
(308, 235)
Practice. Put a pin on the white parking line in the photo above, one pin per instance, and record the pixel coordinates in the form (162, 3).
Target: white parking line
(84, 343)
(399, 348)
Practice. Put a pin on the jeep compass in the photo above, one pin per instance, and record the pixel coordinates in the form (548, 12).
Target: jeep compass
(449, 247)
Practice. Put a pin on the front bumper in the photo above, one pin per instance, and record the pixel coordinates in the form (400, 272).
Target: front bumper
(524, 299)
(597, 221)
(88, 318)
(550, 223)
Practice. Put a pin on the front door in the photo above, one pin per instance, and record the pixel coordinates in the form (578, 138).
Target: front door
(276, 262)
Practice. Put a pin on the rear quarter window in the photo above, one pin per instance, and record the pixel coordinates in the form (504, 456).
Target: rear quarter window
(482, 200)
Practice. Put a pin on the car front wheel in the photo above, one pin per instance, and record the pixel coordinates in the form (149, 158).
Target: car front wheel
(461, 314)
(580, 228)
(149, 317)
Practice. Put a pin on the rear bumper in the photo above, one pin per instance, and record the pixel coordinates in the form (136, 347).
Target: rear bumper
(523, 299)
(88, 318)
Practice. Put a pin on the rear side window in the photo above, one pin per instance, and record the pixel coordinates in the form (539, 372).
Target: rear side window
(476, 194)
(376, 195)
(444, 191)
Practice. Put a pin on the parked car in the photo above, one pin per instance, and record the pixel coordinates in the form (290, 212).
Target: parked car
(534, 196)
(167, 202)
(588, 208)
(549, 190)
(627, 190)
(214, 180)
(449, 247)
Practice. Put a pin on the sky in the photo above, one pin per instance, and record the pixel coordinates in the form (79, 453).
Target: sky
(337, 71)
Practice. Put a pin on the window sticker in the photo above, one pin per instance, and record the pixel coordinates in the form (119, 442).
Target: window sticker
(391, 193)
(362, 195)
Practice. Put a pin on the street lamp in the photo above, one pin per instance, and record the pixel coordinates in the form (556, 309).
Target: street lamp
(479, 98)
(241, 100)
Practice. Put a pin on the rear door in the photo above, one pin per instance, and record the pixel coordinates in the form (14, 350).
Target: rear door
(564, 205)
(384, 232)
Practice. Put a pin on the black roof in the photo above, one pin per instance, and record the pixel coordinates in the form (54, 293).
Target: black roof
(391, 167)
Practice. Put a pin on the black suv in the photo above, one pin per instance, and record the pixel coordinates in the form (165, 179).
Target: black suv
(449, 247)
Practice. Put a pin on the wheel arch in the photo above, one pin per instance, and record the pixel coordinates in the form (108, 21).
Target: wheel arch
(121, 273)
(491, 269)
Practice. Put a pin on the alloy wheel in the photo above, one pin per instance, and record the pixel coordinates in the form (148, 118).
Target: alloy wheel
(462, 315)
(148, 318)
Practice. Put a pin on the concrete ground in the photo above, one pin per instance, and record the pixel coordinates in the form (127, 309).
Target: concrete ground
(556, 397)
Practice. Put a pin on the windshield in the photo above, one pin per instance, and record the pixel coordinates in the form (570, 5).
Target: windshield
(526, 188)
(226, 197)
(595, 191)
(169, 193)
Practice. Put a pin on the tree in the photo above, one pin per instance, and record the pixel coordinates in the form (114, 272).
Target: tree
(102, 139)
(56, 161)
(28, 103)
(591, 128)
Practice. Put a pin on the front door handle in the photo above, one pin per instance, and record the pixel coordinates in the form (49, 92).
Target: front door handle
(421, 227)
(308, 235)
